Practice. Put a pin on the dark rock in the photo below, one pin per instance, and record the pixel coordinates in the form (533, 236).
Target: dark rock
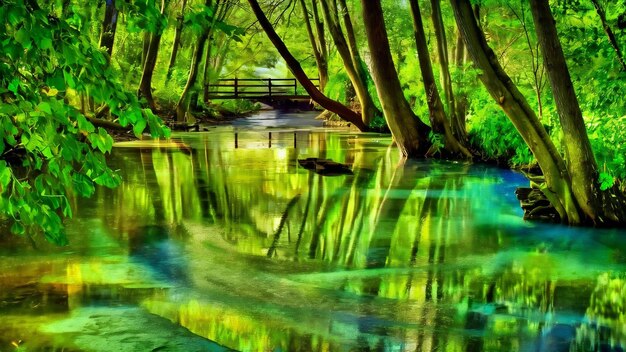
(183, 126)
(476, 320)
(325, 167)
(535, 205)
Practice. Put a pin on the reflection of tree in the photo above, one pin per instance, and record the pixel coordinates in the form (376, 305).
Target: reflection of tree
(396, 242)
(606, 315)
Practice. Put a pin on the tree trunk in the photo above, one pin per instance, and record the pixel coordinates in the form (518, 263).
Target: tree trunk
(109, 25)
(357, 61)
(183, 103)
(461, 102)
(293, 64)
(176, 44)
(145, 86)
(145, 47)
(320, 61)
(206, 77)
(581, 163)
(437, 115)
(368, 109)
(609, 34)
(444, 61)
(409, 133)
(557, 187)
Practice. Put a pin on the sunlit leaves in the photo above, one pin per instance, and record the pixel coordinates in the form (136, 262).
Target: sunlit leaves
(49, 150)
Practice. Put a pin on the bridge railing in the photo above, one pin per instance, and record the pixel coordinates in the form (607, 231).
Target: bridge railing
(258, 88)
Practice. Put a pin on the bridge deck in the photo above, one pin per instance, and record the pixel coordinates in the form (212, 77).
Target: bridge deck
(264, 89)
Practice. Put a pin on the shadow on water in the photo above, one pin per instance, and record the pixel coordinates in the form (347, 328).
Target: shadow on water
(230, 238)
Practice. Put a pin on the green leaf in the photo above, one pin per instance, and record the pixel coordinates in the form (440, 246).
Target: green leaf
(5, 175)
(82, 185)
(17, 228)
(23, 37)
(45, 107)
(84, 124)
(139, 127)
(606, 181)
(14, 85)
(45, 43)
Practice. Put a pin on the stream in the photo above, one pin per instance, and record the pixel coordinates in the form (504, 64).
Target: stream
(219, 240)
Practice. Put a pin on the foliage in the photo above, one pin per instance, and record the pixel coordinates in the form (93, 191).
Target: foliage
(608, 138)
(51, 151)
(337, 87)
(238, 106)
(493, 135)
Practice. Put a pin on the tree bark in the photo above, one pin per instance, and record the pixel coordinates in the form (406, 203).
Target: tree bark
(357, 61)
(609, 34)
(183, 103)
(409, 133)
(293, 64)
(557, 187)
(320, 60)
(176, 44)
(461, 101)
(581, 162)
(145, 85)
(368, 109)
(444, 61)
(109, 25)
(437, 115)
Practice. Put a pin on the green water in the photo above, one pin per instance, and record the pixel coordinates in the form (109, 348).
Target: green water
(189, 254)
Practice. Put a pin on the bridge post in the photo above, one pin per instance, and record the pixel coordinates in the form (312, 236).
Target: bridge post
(236, 88)
(269, 86)
(295, 86)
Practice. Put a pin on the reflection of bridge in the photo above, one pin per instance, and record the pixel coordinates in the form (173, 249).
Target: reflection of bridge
(261, 89)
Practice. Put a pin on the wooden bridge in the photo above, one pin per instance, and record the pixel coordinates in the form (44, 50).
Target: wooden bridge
(266, 90)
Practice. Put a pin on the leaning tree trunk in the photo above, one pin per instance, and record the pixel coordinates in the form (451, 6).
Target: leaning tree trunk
(438, 120)
(409, 133)
(293, 64)
(557, 187)
(368, 109)
(581, 162)
(610, 34)
(176, 44)
(145, 85)
(109, 25)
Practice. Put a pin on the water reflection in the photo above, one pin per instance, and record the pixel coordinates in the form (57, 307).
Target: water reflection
(237, 243)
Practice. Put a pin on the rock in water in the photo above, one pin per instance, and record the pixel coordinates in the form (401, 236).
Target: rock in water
(325, 167)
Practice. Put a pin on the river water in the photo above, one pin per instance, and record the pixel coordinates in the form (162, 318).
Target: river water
(220, 240)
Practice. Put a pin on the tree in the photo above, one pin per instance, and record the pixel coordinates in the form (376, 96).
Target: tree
(145, 86)
(457, 125)
(598, 207)
(609, 33)
(177, 33)
(293, 64)
(318, 43)
(109, 26)
(438, 119)
(576, 203)
(207, 15)
(409, 133)
(513, 103)
(351, 61)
